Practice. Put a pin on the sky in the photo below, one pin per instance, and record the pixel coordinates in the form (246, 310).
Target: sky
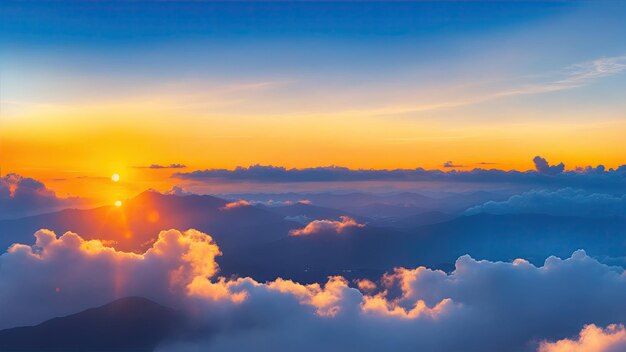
(95, 88)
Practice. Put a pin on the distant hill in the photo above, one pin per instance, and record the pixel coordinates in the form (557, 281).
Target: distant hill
(372, 250)
(415, 220)
(312, 212)
(135, 224)
(128, 324)
(255, 240)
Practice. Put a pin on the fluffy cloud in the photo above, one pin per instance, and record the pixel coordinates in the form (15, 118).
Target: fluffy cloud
(58, 276)
(480, 306)
(178, 191)
(591, 339)
(327, 226)
(566, 201)
(21, 196)
(236, 204)
(542, 167)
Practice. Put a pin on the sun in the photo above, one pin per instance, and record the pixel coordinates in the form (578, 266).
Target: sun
(118, 203)
(115, 177)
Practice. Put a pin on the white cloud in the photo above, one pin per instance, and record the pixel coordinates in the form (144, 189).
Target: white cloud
(327, 226)
(236, 204)
(566, 201)
(591, 339)
(480, 306)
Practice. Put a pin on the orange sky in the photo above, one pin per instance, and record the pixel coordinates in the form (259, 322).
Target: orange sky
(89, 143)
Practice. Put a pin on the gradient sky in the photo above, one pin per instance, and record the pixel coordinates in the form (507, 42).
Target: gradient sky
(101, 87)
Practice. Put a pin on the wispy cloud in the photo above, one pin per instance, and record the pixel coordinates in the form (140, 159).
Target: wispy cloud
(574, 76)
(570, 77)
(158, 166)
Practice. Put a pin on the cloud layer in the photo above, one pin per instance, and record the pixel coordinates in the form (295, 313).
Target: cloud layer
(565, 202)
(544, 175)
(480, 306)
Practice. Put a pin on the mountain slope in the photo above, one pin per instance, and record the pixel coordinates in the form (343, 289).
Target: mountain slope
(128, 324)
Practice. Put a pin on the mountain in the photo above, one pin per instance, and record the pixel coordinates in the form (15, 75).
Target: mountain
(311, 212)
(372, 250)
(255, 240)
(414, 220)
(128, 324)
(135, 224)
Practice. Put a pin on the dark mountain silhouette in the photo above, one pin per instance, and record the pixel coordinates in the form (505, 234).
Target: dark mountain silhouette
(128, 324)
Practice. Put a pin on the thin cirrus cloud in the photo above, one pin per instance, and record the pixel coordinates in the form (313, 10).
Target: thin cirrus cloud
(158, 166)
(573, 76)
(417, 309)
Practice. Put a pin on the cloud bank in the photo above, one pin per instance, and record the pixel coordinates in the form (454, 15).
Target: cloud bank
(545, 175)
(480, 306)
(21, 196)
(565, 202)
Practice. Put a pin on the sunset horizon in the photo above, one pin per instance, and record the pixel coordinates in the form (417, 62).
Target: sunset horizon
(437, 176)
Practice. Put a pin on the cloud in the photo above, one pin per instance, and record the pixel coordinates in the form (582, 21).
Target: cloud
(59, 276)
(21, 196)
(303, 219)
(570, 77)
(326, 226)
(542, 166)
(236, 204)
(545, 176)
(281, 203)
(480, 306)
(567, 202)
(157, 166)
(450, 164)
(591, 339)
(178, 191)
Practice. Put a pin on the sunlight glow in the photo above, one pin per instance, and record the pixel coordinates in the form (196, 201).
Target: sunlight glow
(118, 203)
(115, 177)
